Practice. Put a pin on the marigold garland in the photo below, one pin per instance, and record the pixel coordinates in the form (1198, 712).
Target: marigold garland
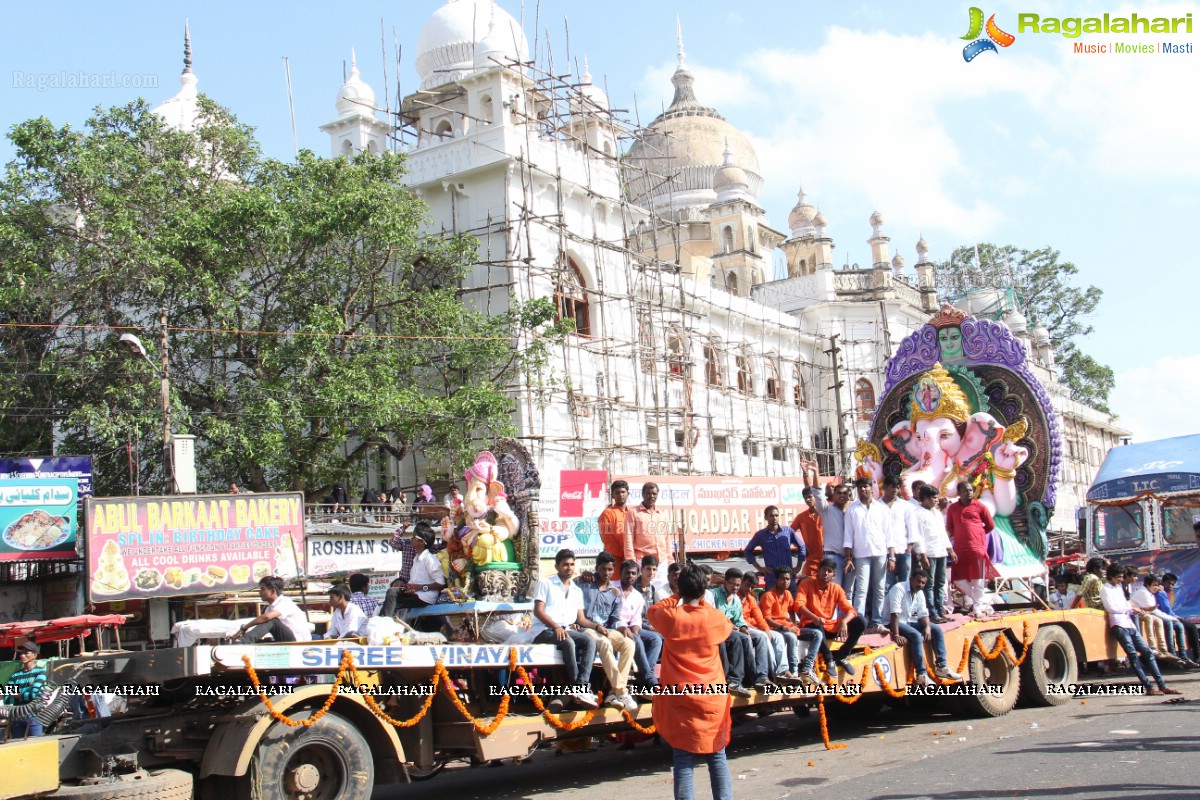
(286, 720)
(633, 723)
(887, 686)
(383, 715)
(550, 716)
(825, 725)
(501, 712)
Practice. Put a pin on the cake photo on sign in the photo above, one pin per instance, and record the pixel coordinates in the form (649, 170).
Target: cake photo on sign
(110, 576)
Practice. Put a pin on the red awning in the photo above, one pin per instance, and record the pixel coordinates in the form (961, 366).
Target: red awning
(56, 630)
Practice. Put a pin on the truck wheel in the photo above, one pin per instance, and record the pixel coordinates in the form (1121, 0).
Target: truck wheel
(996, 672)
(167, 784)
(328, 761)
(425, 774)
(1051, 662)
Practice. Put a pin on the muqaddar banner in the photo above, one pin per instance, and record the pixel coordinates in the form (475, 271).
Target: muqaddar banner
(715, 514)
(140, 547)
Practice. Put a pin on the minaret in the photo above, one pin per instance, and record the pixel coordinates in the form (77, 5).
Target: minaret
(879, 243)
(182, 111)
(356, 128)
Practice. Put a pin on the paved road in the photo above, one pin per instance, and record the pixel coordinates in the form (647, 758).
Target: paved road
(1113, 747)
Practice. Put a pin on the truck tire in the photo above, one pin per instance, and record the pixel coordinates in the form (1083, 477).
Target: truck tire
(166, 784)
(999, 671)
(328, 761)
(1051, 661)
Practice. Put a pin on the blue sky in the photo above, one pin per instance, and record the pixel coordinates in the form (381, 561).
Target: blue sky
(869, 104)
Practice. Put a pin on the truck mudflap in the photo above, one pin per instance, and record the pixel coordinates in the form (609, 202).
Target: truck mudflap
(236, 738)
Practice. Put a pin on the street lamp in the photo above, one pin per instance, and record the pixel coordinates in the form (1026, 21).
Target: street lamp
(134, 345)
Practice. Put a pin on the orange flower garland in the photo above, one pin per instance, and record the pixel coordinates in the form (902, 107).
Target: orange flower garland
(501, 712)
(296, 723)
(633, 723)
(383, 715)
(552, 718)
(825, 725)
(887, 687)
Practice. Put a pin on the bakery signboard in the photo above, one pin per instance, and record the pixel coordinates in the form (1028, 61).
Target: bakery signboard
(140, 547)
(38, 518)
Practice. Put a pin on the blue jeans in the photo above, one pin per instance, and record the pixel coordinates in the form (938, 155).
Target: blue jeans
(578, 654)
(935, 589)
(870, 572)
(903, 565)
(815, 638)
(762, 653)
(718, 774)
(1176, 636)
(22, 726)
(1139, 654)
(916, 645)
(839, 576)
(647, 648)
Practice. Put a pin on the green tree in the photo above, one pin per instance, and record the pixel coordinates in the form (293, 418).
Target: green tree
(310, 322)
(1044, 289)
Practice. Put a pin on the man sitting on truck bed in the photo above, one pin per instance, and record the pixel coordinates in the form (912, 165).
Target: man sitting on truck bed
(600, 619)
(557, 608)
(822, 603)
(282, 618)
(1123, 629)
(910, 625)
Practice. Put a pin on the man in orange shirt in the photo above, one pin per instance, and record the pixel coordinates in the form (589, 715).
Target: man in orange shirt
(614, 522)
(808, 524)
(779, 667)
(649, 532)
(818, 603)
(776, 610)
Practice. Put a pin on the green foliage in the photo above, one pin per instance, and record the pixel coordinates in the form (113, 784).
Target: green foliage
(311, 324)
(1043, 288)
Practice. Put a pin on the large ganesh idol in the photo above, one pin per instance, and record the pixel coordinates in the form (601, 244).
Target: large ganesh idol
(495, 551)
(959, 404)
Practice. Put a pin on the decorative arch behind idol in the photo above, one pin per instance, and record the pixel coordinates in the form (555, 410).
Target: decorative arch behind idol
(960, 403)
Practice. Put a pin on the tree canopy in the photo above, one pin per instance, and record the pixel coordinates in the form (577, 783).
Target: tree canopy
(310, 323)
(1046, 293)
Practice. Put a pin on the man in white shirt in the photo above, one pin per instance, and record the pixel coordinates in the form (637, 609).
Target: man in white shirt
(349, 621)
(282, 618)
(868, 530)
(934, 550)
(910, 626)
(903, 534)
(648, 644)
(833, 525)
(1121, 626)
(557, 609)
(1061, 598)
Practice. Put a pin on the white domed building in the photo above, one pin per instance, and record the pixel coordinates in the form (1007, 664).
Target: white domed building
(688, 355)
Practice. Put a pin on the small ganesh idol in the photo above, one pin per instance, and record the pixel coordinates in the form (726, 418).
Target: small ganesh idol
(489, 522)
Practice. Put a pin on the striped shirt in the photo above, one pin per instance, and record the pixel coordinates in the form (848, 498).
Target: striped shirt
(368, 604)
(27, 683)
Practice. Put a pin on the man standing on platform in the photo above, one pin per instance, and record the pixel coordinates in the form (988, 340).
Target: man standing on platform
(808, 523)
(831, 505)
(868, 531)
(649, 533)
(776, 542)
(614, 522)
(904, 530)
(968, 522)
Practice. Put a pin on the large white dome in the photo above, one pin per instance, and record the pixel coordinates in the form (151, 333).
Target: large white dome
(446, 43)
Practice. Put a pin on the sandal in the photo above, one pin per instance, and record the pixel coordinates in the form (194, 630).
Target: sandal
(1169, 690)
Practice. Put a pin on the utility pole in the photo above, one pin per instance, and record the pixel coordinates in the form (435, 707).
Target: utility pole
(834, 352)
(168, 460)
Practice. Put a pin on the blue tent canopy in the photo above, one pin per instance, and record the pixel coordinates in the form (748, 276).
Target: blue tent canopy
(1163, 467)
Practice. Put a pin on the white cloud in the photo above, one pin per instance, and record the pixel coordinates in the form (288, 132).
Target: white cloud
(1159, 400)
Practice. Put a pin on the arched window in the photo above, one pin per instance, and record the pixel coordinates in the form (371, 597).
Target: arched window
(804, 266)
(570, 296)
(745, 374)
(347, 148)
(676, 354)
(750, 243)
(372, 148)
(774, 384)
(486, 113)
(731, 282)
(713, 374)
(727, 239)
(444, 130)
(864, 398)
(798, 396)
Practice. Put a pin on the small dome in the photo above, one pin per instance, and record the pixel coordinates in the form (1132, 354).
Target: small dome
(355, 96)
(876, 219)
(731, 181)
(1041, 335)
(448, 45)
(922, 249)
(802, 216)
(593, 97)
(819, 220)
(1016, 321)
(898, 262)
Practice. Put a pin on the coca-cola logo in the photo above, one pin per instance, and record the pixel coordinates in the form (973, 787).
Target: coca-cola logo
(579, 488)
